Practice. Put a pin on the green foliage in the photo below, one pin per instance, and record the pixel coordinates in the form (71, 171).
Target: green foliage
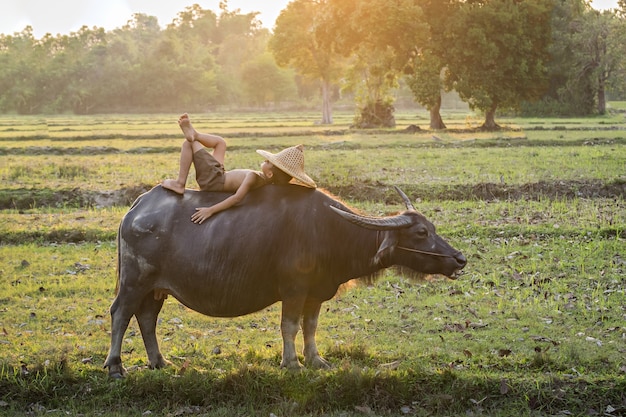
(300, 41)
(375, 114)
(379, 37)
(548, 57)
(266, 83)
(139, 67)
(425, 79)
(497, 53)
(587, 61)
(424, 69)
(549, 107)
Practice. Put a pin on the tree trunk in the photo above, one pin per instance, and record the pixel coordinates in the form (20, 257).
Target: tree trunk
(601, 97)
(327, 112)
(490, 119)
(436, 122)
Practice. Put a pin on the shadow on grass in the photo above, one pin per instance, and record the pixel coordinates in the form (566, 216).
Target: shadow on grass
(261, 389)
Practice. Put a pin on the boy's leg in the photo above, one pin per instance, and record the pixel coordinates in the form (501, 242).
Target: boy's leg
(217, 143)
(186, 158)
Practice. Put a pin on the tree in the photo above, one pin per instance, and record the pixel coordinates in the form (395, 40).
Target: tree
(371, 78)
(80, 63)
(569, 91)
(296, 43)
(587, 59)
(616, 85)
(425, 69)
(143, 77)
(25, 75)
(380, 37)
(600, 39)
(240, 40)
(498, 53)
(264, 82)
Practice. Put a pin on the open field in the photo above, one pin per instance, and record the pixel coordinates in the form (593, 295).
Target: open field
(536, 325)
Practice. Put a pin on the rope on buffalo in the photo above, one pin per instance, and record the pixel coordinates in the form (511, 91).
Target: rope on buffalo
(423, 252)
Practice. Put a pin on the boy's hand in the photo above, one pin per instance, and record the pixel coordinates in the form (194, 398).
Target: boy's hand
(201, 214)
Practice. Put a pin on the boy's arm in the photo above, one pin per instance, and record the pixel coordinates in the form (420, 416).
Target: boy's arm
(203, 213)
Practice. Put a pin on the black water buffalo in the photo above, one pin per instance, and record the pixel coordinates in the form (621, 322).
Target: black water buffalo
(285, 243)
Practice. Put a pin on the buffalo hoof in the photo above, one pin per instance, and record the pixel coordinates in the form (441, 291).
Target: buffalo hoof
(117, 372)
(161, 362)
(318, 363)
(294, 365)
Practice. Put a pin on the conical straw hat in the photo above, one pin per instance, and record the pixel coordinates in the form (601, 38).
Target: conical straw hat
(291, 161)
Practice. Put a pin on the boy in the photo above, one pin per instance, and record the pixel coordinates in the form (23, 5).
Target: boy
(278, 168)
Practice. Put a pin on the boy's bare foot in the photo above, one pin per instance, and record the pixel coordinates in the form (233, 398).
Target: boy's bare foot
(187, 128)
(174, 186)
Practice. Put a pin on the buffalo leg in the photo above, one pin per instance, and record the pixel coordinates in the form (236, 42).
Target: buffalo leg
(147, 318)
(122, 309)
(309, 327)
(289, 326)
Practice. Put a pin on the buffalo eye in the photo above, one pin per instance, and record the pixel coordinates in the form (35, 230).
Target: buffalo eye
(421, 231)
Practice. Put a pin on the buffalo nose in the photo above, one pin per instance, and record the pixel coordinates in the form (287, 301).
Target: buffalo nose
(460, 258)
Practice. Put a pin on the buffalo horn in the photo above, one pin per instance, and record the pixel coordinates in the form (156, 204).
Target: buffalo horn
(376, 223)
(407, 201)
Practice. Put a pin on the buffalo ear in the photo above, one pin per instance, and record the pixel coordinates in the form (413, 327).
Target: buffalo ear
(386, 247)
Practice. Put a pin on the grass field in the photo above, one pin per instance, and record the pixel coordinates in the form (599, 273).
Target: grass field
(534, 326)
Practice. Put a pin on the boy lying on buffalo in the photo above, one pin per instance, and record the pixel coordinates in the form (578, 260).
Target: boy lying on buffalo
(280, 168)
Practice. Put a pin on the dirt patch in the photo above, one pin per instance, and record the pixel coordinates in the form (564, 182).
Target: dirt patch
(486, 191)
(121, 197)
(25, 199)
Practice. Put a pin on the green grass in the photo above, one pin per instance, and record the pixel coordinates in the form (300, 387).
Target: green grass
(534, 326)
(397, 159)
(548, 313)
(548, 304)
(617, 105)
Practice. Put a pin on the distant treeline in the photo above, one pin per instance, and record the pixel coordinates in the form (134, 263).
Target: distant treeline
(198, 61)
(571, 56)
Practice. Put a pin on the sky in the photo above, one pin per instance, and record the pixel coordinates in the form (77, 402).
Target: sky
(66, 16)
